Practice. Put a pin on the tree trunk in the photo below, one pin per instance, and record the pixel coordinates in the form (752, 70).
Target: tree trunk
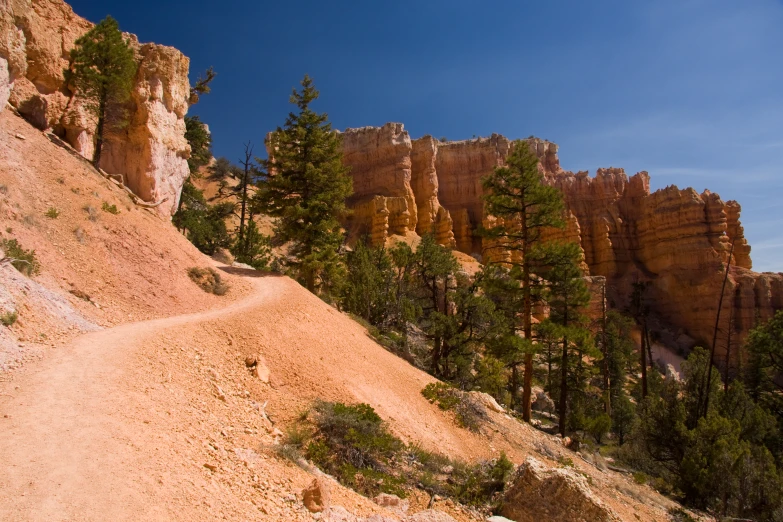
(242, 245)
(514, 385)
(706, 385)
(608, 398)
(563, 388)
(644, 358)
(728, 349)
(527, 322)
(96, 158)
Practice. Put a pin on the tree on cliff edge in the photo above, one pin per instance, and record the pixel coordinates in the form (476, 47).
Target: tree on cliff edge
(525, 207)
(305, 187)
(102, 71)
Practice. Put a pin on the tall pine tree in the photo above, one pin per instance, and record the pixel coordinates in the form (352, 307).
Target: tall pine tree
(525, 207)
(305, 187)
(102, 71)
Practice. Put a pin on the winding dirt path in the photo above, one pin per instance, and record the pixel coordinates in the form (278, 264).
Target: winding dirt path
(64, 439)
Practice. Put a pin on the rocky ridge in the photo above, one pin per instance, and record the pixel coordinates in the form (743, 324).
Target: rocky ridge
(36, 37)
(675, 239)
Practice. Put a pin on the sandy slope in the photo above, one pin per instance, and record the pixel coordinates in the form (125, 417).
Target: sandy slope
(118, 424)
(131, 265)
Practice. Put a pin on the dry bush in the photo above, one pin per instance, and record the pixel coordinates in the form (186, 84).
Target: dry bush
(208, 279)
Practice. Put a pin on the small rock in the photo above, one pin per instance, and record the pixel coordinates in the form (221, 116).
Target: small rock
(210, 467)
(251, 361)
(316, 497)
(392, 502)
(20, 137)
(447, 470)
(219, 393)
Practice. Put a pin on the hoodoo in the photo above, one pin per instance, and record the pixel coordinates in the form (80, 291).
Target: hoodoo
(676, 239)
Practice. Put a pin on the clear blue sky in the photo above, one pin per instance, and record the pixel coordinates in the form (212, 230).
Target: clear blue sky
(689, 90)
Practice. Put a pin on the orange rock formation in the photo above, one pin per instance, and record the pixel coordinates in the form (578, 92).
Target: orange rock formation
(676, 239)
(36, 37)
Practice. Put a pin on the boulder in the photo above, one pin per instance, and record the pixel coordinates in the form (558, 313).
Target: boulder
(316, 497)
(542, 401)
(487, 401)
(538, 492)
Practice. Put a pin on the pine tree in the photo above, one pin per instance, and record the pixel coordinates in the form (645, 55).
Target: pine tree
(200, 141)
(525, 207)
(102, 70)
(305, 188)
(567, 295)
(435, 268)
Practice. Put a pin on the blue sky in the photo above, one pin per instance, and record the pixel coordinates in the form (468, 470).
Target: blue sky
(689, 90)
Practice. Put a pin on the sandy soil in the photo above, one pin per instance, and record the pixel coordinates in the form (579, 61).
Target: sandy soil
(101, 269)
(119, 424)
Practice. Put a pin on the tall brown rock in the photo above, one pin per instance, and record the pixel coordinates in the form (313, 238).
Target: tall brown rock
(676, 239)
(432, 217)
(380, 162)
(36, 37)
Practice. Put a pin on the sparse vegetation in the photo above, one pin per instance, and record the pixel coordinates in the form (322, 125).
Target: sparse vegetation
(21, 259)
(468, 412)
(111, 209)
(9, 318)
(209, 280)
(92, 212)
(52, 213)
(80, 235)
(352, 443)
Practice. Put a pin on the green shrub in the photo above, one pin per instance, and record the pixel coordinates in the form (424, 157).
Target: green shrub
(352, 443)
(469, 413)
(23, 260)
(599, 426)
(8, 318)
(52, 213)
(446, 396)
(111, 209)
(566, 462)
(209, 280)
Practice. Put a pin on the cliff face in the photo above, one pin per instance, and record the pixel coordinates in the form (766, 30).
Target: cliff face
(675, 239)
(36, 37)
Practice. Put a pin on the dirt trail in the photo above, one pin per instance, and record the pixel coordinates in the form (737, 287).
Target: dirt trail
(65, 447)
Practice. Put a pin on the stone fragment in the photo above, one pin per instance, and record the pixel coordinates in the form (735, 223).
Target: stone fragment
(316, 497)
(392, 502)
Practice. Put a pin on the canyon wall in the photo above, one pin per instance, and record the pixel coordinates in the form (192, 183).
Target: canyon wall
(151, 153)
(676, 240)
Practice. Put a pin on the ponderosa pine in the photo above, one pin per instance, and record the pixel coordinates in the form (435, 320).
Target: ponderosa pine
(516, 194)
(102, 70)
(305, 188)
